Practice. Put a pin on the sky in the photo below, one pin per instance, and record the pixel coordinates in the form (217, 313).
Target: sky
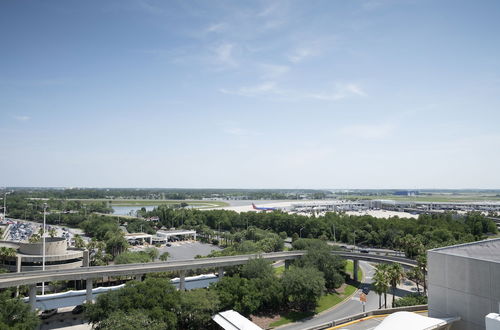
(250, 94)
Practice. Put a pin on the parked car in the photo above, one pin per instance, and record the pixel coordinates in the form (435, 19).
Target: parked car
(78, 309)
(48, 313)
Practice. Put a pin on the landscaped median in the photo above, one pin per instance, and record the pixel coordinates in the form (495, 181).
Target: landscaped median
(326, 302)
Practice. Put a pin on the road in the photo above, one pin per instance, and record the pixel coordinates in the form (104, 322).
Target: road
(353, 305)
(349, 307)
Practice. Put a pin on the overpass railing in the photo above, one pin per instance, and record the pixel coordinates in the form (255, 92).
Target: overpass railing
(83, 273)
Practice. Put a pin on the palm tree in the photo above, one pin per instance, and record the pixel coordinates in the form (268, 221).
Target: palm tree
(381, 283)
(396, 274)
(79, 242)
(35, 238)
(52, 232)
(6, 252)
(416, 276)
(422, 265)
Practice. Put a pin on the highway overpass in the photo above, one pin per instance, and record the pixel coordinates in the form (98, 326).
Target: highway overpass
(90, 273)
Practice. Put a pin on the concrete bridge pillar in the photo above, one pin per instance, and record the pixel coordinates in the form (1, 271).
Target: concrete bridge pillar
(182, 280)
(138, 277)
(220, 274)
(32, 296)
(355, 269)
(287, 264)
(89, 291)
(86, 258)
(19, 262)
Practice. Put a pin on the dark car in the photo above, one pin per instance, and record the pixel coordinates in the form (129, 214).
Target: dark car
(364, 251)
(365, 290)
(78, 309)
(48, 313)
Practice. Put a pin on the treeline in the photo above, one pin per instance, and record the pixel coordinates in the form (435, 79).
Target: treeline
(59, 211)
(428, 231)
(167, 193)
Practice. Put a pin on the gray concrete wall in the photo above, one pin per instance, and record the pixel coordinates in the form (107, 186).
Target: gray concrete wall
(53, 246)
(462, 286)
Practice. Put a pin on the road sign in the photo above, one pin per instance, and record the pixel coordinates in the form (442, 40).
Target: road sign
(362, 297)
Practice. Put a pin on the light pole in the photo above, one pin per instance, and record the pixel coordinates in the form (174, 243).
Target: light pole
(354, 238)
(300, 232)
(43, 244)
(5, 205)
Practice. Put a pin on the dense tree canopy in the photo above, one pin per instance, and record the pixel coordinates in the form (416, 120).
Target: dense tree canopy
(303, 287)
(15, 314)
(156, 297)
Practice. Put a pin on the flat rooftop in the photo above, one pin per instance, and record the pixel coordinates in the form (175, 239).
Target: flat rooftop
(487, 250)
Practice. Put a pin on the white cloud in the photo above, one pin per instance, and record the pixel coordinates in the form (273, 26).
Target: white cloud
(271, 71)
(217, 27)
(240, 131)
(22, 118)
(266, 88)
(271, 89)
(224, 54)
(300, 54)
(368, 131)
(341, 91)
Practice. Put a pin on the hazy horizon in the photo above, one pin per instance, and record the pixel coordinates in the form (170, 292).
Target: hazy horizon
(380, 94)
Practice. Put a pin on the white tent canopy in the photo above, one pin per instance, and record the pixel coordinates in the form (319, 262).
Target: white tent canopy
(231, 320)
(412, 321)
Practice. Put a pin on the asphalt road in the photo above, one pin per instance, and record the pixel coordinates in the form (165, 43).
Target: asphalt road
(349, 307)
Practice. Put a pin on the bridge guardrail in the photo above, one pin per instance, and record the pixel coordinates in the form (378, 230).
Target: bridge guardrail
(13, 279)
(366, 314)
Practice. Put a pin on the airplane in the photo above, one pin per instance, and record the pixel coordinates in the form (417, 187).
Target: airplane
(263, 208)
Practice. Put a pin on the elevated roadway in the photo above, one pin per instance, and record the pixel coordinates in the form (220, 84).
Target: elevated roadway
(86, 273)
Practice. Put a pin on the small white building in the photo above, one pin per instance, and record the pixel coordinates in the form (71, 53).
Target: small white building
(180, 232)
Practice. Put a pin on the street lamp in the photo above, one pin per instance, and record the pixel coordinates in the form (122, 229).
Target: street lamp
(5, 205)
(43, 244)
(354, 238)
(300, 232)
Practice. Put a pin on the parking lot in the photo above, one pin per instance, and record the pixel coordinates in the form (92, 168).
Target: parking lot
(21, 231)
(184, 249)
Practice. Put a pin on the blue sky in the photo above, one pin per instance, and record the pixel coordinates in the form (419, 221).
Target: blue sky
(250, 94)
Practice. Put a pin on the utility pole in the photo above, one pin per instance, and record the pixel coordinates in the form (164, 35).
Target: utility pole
(300, 232)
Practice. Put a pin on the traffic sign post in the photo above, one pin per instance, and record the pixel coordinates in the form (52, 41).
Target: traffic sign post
(362, 299)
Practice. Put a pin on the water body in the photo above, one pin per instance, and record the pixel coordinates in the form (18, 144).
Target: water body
(130, 210)
(126, 210)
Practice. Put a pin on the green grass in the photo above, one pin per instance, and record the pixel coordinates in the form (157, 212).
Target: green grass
(290, 318)
(279, 270)
(349, 269)
(324, 303)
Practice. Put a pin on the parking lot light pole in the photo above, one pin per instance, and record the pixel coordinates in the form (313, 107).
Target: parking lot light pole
(4, 206)
(43, 244)
(300, 232)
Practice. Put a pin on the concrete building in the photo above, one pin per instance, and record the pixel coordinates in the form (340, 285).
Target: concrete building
(29, 255)
(180, 232)
(139, 237)
(328, 206)
(464, 281)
